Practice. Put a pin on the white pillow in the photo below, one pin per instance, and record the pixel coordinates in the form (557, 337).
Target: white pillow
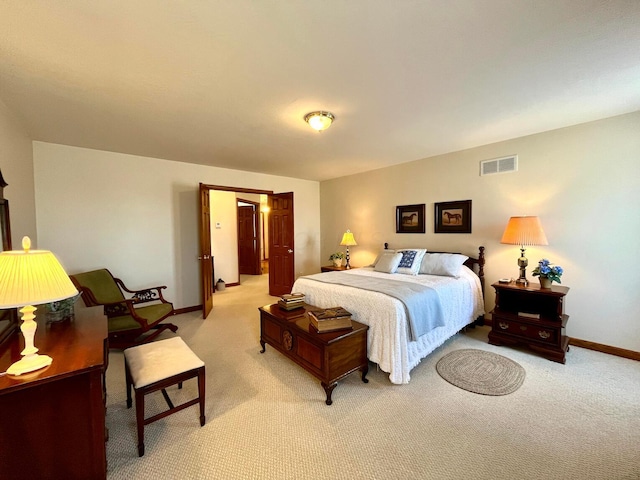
(445, 264)
(411, 260)
(382, 252)
(388, 262)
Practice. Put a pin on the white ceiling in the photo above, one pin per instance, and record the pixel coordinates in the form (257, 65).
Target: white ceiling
(228, 82)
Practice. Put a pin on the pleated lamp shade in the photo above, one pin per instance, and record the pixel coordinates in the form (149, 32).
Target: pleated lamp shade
(32, 277)
(524, 231)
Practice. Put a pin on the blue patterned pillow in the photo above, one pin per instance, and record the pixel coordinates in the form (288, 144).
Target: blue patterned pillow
(411, 259)
(408, 256)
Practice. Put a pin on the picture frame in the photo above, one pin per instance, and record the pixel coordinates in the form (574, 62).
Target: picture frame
(453, 217)
(410, 218)
(5, 226)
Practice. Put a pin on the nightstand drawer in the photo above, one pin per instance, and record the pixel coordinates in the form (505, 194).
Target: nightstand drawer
(539, 333)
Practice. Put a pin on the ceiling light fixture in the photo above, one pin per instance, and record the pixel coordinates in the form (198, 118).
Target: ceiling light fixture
(319, 120)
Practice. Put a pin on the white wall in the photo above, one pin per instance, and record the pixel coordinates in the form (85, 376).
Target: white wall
(138, 216)
(16, 163)
(224, 237)
(582, 181)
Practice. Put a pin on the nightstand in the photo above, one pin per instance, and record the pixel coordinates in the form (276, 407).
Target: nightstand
(333, 268)
(531, 316)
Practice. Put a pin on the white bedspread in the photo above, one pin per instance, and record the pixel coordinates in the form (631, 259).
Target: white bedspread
(388, 342)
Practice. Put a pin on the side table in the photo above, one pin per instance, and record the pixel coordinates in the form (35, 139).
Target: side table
(333, 268)
(531, 316)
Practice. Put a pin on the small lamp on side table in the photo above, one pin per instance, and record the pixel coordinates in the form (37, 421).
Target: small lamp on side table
(524, 231)
(31, 277)
(348, 241)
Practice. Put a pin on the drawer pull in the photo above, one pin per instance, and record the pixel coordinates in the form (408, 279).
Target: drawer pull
(523, 327)
(287, 340)
(544, 334)
(503, 325)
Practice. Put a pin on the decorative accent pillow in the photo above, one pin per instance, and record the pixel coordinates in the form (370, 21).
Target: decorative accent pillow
(444, 264)
(388, 262)
(411, 260)
(382, 252)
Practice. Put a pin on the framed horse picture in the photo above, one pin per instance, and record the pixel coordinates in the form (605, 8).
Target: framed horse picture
(453, 217)
(410, 219)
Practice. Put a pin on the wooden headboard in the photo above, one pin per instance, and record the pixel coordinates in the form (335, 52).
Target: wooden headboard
(476, 265)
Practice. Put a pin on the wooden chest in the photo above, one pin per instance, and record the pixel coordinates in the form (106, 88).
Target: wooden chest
(328, 356)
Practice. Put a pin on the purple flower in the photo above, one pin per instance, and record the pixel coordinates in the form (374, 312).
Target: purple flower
(545, 269)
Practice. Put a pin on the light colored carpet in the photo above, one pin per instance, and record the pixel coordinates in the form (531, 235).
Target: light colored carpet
(480, 371)
(266, 417)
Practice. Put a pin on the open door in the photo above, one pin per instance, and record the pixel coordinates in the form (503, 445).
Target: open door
(248, 238)
(206, 262)
(281, 248)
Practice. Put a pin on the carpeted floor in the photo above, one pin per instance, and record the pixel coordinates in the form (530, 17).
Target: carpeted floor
(266, 417)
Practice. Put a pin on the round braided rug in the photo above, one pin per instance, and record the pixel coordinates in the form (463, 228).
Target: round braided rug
(479, 371)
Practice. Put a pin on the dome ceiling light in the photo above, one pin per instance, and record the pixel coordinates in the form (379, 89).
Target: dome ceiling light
(319, 120)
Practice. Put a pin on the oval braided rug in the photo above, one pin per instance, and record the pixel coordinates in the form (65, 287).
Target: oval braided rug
(481, 372)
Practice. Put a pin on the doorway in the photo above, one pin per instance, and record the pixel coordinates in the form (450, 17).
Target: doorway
(249, 238)
(276, 236)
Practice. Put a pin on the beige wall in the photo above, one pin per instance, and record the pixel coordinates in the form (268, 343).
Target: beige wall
(582, 181)
(138, 216)
(16, 163)
(224, 235)
(224, 232)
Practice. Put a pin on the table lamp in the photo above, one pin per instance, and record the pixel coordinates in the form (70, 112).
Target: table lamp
(524, 231)
(31, 277)
(348, 241)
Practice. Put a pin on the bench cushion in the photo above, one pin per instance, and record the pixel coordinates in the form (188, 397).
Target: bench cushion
(152, 362)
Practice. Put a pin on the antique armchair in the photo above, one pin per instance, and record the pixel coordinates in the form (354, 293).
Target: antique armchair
(132, 321)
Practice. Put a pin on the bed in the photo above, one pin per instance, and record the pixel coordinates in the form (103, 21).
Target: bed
(391, 340)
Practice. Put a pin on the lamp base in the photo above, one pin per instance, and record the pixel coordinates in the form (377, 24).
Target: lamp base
(522, 263)
(29, 363)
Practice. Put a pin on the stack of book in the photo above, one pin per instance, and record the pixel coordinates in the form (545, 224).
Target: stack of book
(330, 319)
(291, 301)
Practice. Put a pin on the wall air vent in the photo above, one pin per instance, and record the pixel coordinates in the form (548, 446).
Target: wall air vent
(499, 165)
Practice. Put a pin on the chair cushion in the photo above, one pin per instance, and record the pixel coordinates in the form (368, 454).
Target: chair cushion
(152, 313)
(155, 361)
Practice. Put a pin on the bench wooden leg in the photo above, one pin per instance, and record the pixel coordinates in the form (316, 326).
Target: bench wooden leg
(140, 421)
(201, 393)
(129, 382)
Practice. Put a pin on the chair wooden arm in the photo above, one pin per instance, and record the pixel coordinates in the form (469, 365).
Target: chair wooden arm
(146, 295)
(114, 309)
(119, 309)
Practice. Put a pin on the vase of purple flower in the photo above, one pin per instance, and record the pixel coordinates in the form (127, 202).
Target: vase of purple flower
(548, 273)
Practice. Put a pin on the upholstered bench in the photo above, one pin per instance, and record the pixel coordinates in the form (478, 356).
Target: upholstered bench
(156, 366)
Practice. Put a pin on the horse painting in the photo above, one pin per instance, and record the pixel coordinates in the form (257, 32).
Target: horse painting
(452, 218)
(410, 219)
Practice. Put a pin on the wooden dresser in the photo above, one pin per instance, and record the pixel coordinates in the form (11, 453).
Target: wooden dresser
(53, 420)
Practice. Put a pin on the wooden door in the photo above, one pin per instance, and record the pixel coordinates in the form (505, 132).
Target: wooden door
(281, 247)
(248, 240)
(206, 262)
